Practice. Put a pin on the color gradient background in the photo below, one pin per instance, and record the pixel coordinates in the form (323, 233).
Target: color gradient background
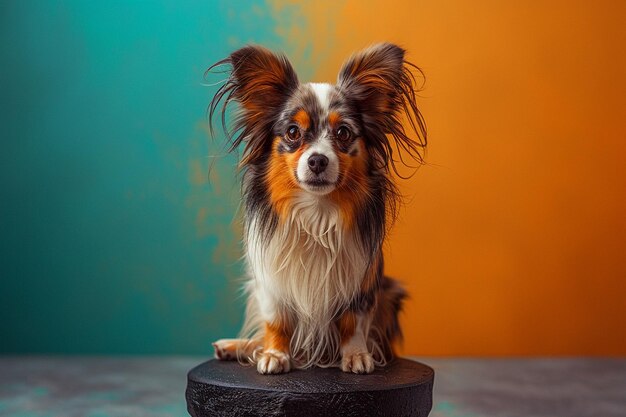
(113, 239)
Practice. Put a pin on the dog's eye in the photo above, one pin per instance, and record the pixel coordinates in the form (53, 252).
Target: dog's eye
(343, 134)
(293, 134)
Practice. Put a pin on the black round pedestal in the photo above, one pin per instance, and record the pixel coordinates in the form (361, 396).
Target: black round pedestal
(224, 388)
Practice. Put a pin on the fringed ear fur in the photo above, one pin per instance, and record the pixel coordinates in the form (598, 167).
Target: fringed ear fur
(383, 88)
(261, 82)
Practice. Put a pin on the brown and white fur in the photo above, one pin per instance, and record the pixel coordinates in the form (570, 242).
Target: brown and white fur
(318, 200)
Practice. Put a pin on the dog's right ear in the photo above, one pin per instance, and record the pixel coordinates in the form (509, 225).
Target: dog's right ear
(261, 82)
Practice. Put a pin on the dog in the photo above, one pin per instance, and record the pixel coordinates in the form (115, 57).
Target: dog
(317, 164)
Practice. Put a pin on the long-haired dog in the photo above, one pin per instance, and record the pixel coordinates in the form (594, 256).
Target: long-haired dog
(318, 200)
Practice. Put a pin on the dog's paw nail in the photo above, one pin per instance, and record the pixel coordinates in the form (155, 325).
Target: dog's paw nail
(273, 362)
(218, 351)
(358, 363)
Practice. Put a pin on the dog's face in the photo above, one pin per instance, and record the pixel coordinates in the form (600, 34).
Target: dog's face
(317, 137)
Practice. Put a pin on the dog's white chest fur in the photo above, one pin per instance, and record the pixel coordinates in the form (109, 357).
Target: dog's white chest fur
(310, 268)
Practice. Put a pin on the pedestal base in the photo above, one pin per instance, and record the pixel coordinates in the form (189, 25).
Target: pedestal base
(223, 389)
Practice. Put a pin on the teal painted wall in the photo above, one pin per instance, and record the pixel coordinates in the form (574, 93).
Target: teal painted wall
(112, 238)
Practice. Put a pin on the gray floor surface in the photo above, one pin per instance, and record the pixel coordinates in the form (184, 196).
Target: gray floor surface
(155, 386)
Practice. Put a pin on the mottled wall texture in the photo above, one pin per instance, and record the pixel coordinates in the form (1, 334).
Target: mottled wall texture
(114, 238)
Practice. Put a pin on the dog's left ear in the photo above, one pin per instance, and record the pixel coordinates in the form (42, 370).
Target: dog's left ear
(372, 77)
(381, 84)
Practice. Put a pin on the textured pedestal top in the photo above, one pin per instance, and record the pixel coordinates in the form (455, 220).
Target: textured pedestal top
(402, 388)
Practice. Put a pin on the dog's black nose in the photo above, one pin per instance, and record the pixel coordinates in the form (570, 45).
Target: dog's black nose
(317, 163)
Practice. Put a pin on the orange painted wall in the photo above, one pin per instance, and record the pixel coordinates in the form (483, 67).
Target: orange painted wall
(513, 240)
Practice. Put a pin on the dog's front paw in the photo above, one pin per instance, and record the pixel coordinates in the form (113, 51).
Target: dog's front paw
(225, 349)
(357, 362)
(273, 362)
